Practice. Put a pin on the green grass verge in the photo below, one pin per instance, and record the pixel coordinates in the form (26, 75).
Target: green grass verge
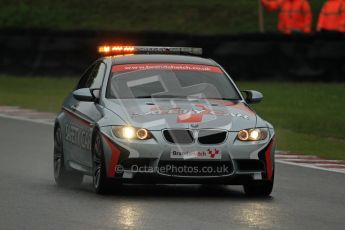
(308, 117)
(40, 93)
(310, 144)
(179, 16)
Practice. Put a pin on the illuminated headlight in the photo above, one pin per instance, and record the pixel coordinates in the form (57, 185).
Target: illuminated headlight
(252, 134)
(129, 132)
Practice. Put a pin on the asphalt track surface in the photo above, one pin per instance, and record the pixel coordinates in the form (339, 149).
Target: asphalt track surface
(29, 199)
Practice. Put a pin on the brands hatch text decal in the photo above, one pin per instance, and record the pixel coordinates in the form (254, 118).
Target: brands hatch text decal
(166, 66)
(198, 154)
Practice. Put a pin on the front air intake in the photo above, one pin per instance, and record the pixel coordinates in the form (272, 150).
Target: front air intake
(211, 137)
(178, 136)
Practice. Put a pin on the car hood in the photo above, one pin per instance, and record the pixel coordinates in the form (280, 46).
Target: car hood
(158, 114)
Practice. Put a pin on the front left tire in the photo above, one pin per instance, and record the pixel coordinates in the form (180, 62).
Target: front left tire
(101, 183)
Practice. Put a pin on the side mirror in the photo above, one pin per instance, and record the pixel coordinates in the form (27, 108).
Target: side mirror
(83, 94)
(252, 96)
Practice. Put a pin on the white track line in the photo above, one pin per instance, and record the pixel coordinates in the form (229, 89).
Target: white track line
(39, 121)
(280, 158)
(311, 166)
(293, 156)
(312, 161)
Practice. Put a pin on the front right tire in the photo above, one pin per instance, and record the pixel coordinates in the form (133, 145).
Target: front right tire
(259, 189)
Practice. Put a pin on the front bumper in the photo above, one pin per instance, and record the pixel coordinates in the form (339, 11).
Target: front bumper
(142, 161)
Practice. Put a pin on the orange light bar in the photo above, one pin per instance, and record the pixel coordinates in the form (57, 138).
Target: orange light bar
(115, 49)
(122, 50)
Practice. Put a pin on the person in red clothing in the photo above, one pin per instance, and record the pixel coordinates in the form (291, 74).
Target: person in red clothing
(294, 15)
(332, 16)
(342, 18)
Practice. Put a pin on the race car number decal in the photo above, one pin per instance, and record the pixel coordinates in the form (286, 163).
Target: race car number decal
(209, 153)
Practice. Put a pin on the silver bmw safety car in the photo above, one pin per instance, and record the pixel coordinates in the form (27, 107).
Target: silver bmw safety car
(162, 115)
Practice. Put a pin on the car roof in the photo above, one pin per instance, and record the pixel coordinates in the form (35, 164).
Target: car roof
(160, 58)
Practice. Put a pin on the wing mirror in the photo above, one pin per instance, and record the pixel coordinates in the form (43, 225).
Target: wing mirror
(252, 96)
(84, 94)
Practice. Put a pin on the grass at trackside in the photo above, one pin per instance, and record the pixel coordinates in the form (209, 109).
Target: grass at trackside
(178, 16)
(308, 117)
(310, 144)
(43, 94)
(311, 108)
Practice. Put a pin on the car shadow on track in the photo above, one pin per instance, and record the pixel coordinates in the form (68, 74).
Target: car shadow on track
(171, 191)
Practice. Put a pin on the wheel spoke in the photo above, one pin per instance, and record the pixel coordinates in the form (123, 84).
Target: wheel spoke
(58, 153)
(97, 175)
(57, 167)
(97, 162)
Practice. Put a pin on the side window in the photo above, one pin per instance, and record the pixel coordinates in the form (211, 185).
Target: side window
(84, 79)
(96, 78)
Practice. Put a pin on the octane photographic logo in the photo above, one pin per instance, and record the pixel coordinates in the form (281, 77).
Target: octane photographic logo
(174, 169)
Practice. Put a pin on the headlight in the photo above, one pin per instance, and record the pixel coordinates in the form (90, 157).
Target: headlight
(129, 132)
(252, 134)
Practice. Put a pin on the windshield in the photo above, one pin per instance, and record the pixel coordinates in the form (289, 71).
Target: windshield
(164, 80)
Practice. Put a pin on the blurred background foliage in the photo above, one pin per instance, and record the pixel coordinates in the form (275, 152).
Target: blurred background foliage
(211, 17)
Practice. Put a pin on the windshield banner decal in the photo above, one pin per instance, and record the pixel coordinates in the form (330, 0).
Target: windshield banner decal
(166, 66)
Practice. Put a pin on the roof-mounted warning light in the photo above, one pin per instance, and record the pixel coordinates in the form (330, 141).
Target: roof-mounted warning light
(123, 50)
